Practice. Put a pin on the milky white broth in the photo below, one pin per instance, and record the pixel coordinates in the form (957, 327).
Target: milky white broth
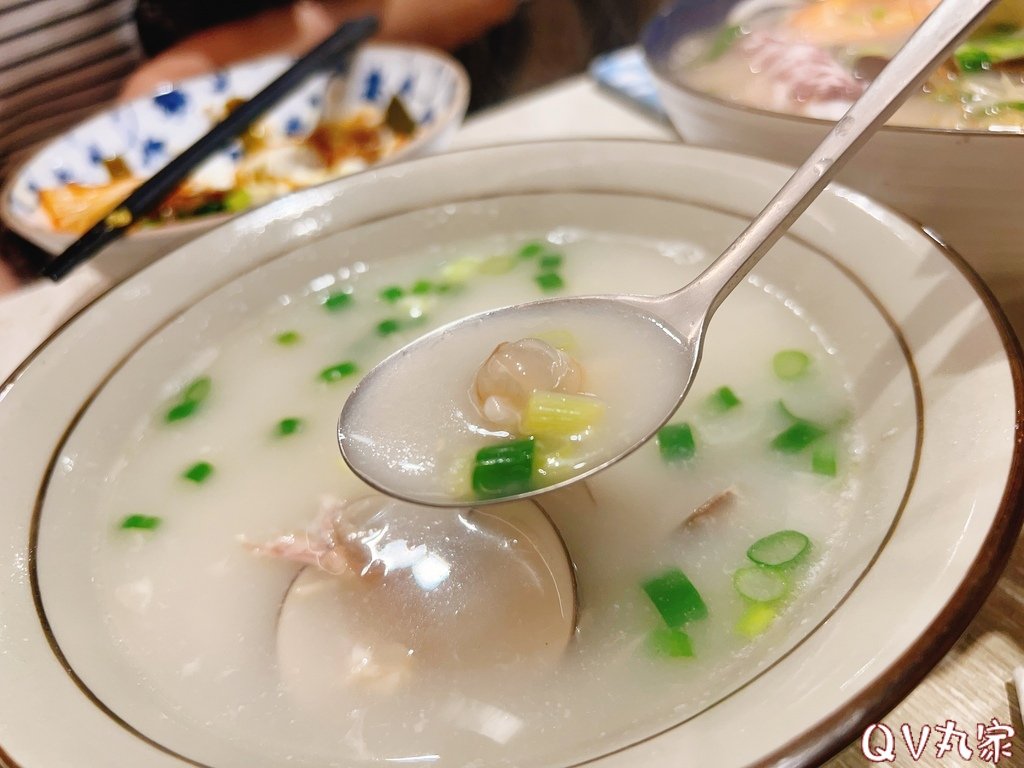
(194, 613)
(415, 427)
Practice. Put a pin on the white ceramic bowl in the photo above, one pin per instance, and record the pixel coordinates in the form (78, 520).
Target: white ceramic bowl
(966, 185)
(148, 132)
(936, 380)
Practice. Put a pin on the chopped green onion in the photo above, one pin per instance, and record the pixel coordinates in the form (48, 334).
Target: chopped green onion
(798, 436)
(723, 41)
(182, 410)
(985, 51)
(723, 399)
(504, 469)
(288, 426)
(461, 270)
(421, 287)
(141, 522)
(972, 60)
(238, 199)
(669, 641)
(338, 372)
(759, 584)
(337, 301)
(287, 338)
(790, 364)
(497, 265)
(198, 390)
(199, 472)
(388, 327)
(560, 414)
(391, 294)
(191, 398)
(675, 597)
(823, 461)
(780, 548)
(676, 442)
(549, 282)
(530, 250)
(443, 288)
(756, 619)
(549, 262)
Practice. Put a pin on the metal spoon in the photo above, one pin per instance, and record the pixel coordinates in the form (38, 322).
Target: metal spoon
(673, 326)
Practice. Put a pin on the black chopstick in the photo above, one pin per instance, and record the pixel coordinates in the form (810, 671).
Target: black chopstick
(151, 193)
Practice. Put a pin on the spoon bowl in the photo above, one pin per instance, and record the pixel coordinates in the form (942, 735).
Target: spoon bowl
(413, 470)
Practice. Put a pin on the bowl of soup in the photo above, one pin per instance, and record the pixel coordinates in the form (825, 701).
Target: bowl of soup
(194, 577)
(770, 78)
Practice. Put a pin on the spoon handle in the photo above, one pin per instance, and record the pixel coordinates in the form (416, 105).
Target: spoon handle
(934, 40)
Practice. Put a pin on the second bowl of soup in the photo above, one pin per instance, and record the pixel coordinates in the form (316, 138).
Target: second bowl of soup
(770, 78)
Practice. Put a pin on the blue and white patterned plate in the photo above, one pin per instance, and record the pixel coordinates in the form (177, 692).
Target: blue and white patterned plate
(148, 132)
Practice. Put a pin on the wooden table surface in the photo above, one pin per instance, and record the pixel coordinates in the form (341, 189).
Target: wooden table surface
(971, 685)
